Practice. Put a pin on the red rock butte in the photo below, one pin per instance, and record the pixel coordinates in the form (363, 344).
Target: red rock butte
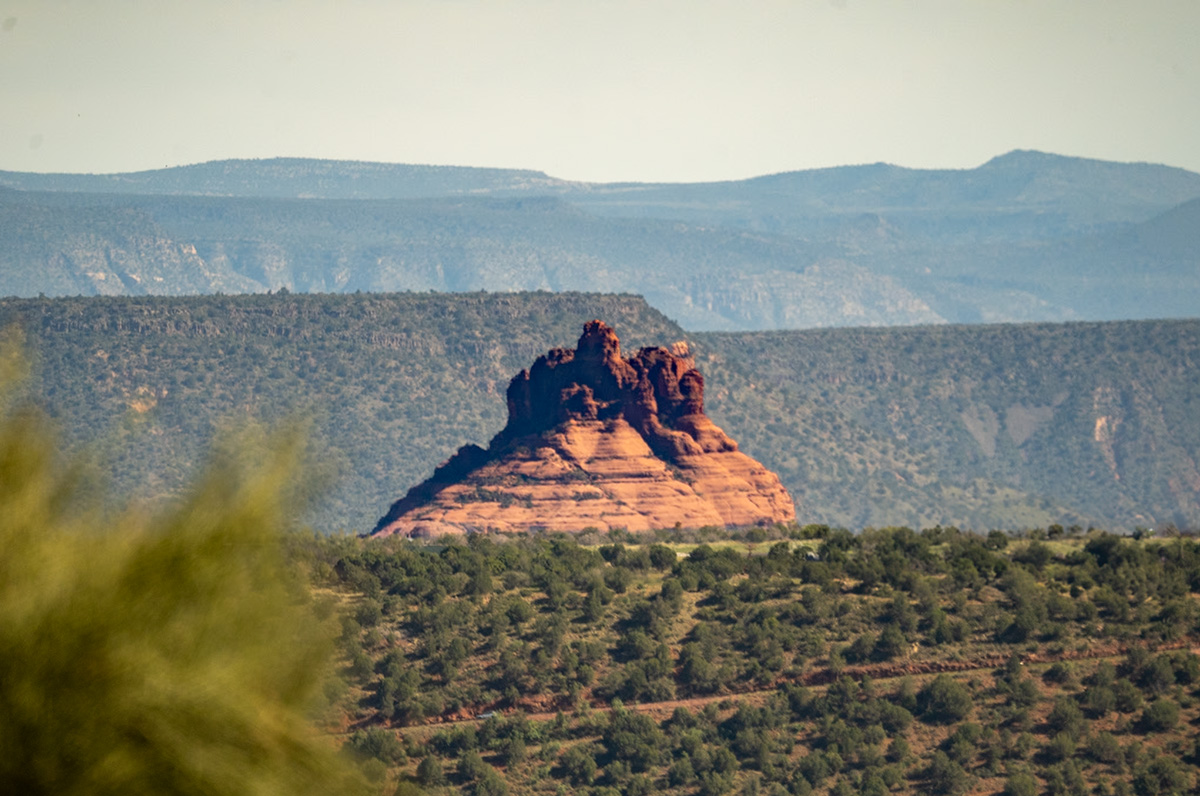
(595, 440)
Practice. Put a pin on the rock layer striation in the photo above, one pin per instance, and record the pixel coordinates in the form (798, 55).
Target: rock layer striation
(596, 440)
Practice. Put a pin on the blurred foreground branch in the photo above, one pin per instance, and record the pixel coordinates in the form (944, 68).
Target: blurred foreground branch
(163, 654)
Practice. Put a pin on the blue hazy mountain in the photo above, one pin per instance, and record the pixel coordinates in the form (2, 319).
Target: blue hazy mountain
(1026, 236)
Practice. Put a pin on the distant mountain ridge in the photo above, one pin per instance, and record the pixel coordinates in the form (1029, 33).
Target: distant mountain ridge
(294, 178)
(1027, 236)
(707, 278)
(1021, 176)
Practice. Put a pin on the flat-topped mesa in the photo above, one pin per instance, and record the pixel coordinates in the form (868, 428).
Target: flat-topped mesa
(594, 440)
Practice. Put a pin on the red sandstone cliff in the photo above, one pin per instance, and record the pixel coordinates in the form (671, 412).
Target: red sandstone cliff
(595, 440)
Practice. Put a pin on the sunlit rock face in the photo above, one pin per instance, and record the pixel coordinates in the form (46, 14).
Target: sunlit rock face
(597, 440)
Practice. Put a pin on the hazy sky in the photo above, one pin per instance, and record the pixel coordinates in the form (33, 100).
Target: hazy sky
(601, 90)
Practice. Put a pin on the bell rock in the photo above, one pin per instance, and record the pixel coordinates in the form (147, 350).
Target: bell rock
(597, 441)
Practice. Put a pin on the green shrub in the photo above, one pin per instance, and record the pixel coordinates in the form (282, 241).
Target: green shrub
(944, 700)
(1061, 747)
(945, 776)
(429, 772)
(1103, 747)
(1161, 777)
(1160, 715)
(1128, 697)
(1066, 717)
(490, 784)
(379, 744)
(472, 768)
(1022, 783)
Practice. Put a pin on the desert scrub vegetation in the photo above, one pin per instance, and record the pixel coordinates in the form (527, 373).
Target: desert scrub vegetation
(782, 660)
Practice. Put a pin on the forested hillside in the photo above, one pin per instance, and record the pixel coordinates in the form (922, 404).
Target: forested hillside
(392, 384)
(1025, 237)
(982, 427)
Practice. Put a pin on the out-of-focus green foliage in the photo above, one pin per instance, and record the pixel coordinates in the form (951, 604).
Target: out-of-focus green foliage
(162, 654)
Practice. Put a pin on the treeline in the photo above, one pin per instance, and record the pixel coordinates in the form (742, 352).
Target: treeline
(812, 657)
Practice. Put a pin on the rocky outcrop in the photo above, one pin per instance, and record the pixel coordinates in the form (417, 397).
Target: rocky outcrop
(595, 440)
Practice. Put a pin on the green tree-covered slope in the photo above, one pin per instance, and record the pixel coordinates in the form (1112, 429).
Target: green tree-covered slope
(1001, 426)
(394, 384)
(822, 662)
(984, 426)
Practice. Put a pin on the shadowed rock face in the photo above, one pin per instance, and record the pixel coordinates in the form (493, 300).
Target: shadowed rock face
(595, 440)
